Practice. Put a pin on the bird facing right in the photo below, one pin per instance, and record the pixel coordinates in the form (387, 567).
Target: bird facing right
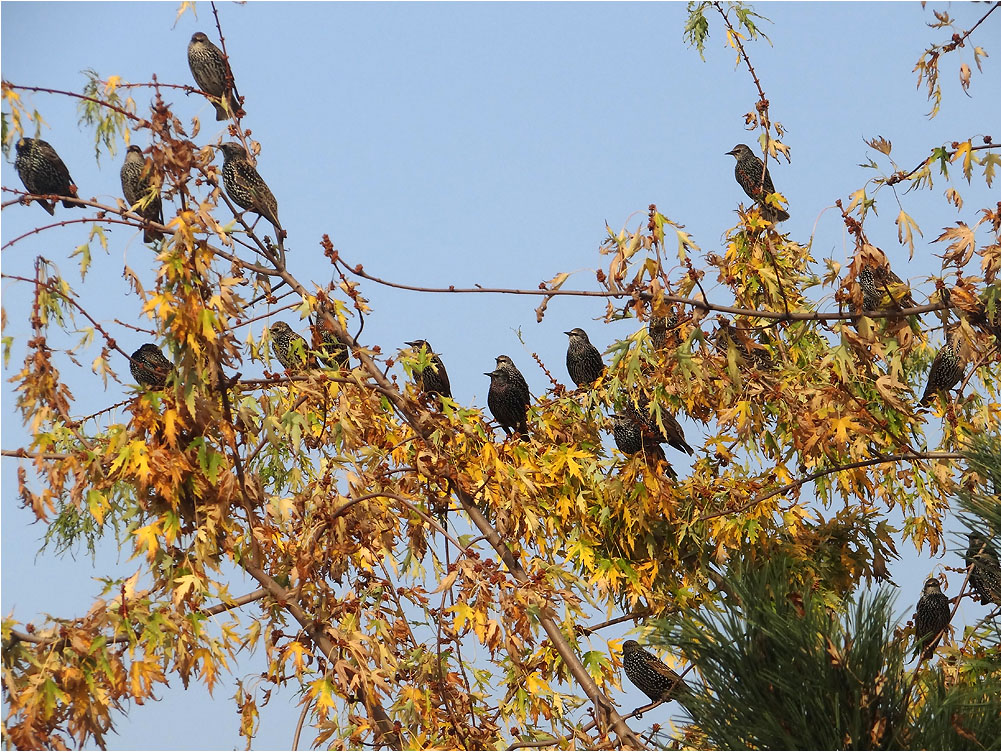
(43, 172)
(209, 68)
(584, 362)
(650, 674)
(136, 181)
(749, 173)
(932, 616)
(149, 367)
(245, 186)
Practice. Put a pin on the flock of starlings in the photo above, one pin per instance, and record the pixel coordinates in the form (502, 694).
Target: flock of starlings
(635, 427)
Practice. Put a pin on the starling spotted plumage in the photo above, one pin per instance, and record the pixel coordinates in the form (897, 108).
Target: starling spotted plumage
(209, 67)
(651, 676)
(876, 282)
(748, 173)
(932, 616)
(245, 187)
(754, 356)
(291, 349)
(433, 379)
(136, 181)
(331, 352)
(43, 172)
(672, 435)
(659, 327)
(632, 437)
(946, 372)
(984, 566)
(584, 362)
(149, 367)
(508, 397)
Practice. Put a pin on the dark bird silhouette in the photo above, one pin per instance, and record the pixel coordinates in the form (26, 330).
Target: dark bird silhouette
(748, 173)
(947, 369)
(584, 362)
(932, 616)
(331, 352)
(876, 282)
(651, 676)
(632, 437)
(508, 397)
(659, 327)
(291, 349)
(149, 367)
(43, 172)
(209, 68)
(984, 566)
(672, 435)
(432, 379)
(137, 177)
(753, 356)
(245, 187)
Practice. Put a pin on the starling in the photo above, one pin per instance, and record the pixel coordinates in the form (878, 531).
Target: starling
(43, 172)
(136, 180)
(584, 363)
(245, 187)
(672, 435)
(631, 437)
(748, 172)
(932, 616)
(332, 352)
(149, 367)
(651, 676)
(757, 356)
(875, 282)
(658, 328)
(209, 67)
(291, 349)
(508, 397)
(433, 379)
(946, 372)
(984, 566)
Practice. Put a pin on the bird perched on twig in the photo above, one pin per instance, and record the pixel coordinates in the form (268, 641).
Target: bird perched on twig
(149, 367)
(43, 172)
(632, 436)
(245, 187)
(876, 281)
(984, 566)
(651, 676)
(331, 352)
(947, 368)
(753, 356)
(508, 397)
(137, 178)
(672, 435)
(659, 327)
(432, 379)
(932, 617)
(755, 181)
(291, 349)
(210, 68)
(584, 362)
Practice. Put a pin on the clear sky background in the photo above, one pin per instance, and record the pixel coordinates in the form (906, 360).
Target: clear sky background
(485, 143)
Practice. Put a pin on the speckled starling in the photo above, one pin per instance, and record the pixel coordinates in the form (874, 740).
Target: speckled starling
(631, 437)
(433, 379)
(136, 180)
(946, 372)
(149, 367)
(508, 398)
(748, 173)
(245, 186)
(672, 435)
(291, 349)
(754, 356)
(659, 328)
(932, 616)
(43, 172)
(984, 566)
(651, 676)
(876, 282)
(331, 352)
(584, 362)
(209, 67)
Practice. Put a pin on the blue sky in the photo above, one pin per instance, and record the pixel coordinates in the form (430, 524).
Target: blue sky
(485, 143)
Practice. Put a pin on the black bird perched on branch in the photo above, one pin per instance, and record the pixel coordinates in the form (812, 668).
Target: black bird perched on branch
(875, 281)
(753, 356)
(984, 566)
(659, 327)
(43, 172)
(149, 367)
(584, 362)
(209, 68)
(932, 616)
(508, 397)
(291, 349)
(632, 436)
(245, 186)
(433, 379)
(651, 676)
(137, 178)
(672, 435)
(749, 173)
(947, 369)
(331, 352)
